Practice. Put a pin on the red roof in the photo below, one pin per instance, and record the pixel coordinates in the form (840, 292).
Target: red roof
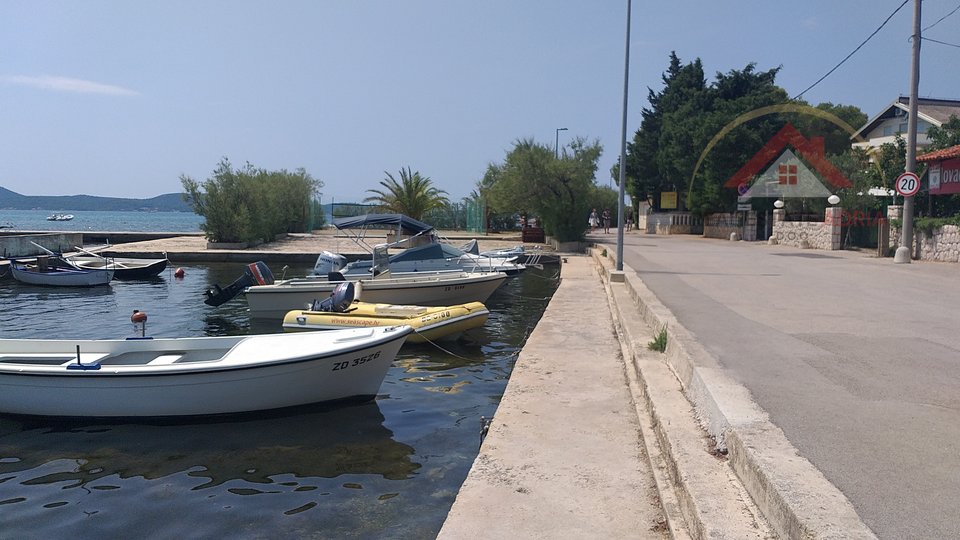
(940, 155)
(810, 149)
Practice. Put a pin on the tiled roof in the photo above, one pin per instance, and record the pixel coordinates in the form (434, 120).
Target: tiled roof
(940, 155)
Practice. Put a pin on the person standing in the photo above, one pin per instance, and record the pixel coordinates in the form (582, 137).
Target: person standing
(594, 220)
(606, 220)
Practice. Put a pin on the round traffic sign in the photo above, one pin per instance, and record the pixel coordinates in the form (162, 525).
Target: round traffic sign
(908, 184)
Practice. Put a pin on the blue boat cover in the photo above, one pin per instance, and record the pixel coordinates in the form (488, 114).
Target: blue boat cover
(407, 225)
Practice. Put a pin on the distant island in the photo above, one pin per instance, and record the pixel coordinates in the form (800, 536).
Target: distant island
(170, 202)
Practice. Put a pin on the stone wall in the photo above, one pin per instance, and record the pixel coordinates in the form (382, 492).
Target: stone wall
(673, 223)
(809, 234)
(942, 244)
(721, 225)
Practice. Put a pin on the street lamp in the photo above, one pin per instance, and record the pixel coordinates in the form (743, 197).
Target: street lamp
(556, 145)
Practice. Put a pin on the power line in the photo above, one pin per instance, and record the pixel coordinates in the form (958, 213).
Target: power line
(940, 42)
(798, 96)
(942, 18)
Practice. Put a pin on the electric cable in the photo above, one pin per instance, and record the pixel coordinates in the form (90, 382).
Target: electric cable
(798, 96)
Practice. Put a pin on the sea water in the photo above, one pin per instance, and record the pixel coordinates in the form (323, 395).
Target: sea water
(390, 468)
(36, 220)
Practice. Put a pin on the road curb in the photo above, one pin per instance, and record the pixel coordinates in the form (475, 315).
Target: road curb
(792, 495)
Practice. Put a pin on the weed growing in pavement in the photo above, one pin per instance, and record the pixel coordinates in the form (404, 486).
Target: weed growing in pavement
(659, 343)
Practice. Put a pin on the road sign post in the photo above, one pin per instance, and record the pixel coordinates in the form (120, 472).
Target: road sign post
(908, 184)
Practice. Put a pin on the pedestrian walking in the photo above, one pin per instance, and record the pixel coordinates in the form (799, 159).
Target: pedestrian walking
(593, 220)
(606, 220)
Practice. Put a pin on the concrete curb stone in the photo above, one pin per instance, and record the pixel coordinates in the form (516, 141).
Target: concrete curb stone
(794, 497)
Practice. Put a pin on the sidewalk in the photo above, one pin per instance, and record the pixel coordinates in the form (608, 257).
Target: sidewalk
(564, 457)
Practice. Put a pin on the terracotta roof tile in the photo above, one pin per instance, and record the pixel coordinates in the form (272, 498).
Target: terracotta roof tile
(940, 155)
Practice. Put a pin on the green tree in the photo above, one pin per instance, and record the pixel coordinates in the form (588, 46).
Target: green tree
(558, 190)
(414, 195)
(946, 135)
(251, 204)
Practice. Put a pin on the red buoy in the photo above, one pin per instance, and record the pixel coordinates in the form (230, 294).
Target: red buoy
(178, 273)
(138, 316)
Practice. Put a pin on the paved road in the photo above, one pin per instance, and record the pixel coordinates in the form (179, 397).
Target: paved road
(855, 358)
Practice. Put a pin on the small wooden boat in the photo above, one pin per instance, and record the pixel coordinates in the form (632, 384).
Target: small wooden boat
(56, 272)
(123, 267)
(428, 323)
(193, 376)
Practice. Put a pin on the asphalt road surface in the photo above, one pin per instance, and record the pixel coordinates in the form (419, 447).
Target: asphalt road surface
(855, 358)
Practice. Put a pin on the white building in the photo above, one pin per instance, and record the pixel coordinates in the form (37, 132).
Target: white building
(884, 127)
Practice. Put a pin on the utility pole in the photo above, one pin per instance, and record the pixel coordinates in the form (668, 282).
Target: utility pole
(623, 146)
(905, 251)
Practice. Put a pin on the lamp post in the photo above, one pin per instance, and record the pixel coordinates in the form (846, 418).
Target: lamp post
(556, 145)
(623, 144)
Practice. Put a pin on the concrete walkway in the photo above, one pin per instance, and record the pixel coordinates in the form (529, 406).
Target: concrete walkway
(564, 457)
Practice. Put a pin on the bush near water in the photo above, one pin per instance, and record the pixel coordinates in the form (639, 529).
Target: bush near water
(250, 205)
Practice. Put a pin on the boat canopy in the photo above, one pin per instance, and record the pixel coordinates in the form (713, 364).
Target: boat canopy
(406, 224)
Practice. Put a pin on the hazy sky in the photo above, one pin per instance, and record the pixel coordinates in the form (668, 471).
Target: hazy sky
(119, 98)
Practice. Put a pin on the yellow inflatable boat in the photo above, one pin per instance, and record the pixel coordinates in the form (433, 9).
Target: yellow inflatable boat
(429, 323)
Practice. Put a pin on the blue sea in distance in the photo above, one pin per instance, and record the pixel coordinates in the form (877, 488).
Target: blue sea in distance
(96, 220)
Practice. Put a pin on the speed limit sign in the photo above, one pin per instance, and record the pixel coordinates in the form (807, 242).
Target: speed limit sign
(908, 184)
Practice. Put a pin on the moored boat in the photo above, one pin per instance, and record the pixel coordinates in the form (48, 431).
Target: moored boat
(422, 289)
(56, 272)
(422, 250)
(429, 323)
(193, 376)
(123, 267)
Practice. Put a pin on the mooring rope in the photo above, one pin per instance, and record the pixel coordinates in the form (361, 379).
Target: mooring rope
(425, 338)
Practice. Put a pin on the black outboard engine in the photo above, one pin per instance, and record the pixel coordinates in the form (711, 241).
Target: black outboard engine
(338, 301)
(254, 274)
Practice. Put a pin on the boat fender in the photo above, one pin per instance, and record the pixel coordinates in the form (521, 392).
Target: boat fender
(138, 316)
(178, 273)
(338, 301)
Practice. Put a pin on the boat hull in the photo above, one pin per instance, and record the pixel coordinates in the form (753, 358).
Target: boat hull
(295, 372)
(274, 301)
(123, 268)
(60, 277)
(428, 323)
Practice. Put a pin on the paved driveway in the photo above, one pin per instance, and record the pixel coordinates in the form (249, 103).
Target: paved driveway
(855, 358)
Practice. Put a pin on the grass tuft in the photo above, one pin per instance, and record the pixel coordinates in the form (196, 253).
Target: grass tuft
(659, 343)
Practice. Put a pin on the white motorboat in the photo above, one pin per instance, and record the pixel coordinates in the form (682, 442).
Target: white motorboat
(420, 288)
(59, 217)
(423, 251)
(193, 376)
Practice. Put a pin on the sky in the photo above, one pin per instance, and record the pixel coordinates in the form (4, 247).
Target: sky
(120, 99)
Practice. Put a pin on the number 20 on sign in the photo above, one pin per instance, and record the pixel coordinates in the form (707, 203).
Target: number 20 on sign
(908, 184)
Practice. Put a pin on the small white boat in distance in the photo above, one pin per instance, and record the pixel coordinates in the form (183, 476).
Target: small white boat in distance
(60, 217)
(193, 376)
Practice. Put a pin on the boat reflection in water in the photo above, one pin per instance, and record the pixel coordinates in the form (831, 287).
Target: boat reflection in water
(322, 441)
(287, 456)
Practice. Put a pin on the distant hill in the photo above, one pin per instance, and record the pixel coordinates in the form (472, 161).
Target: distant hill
(171, 202)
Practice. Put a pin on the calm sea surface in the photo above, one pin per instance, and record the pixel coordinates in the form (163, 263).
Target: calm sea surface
(387, 469)
(36, 220)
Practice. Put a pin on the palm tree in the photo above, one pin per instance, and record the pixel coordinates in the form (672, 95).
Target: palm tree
(414, 195)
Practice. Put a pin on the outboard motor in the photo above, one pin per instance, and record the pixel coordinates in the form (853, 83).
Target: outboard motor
(254, 274)
(328, 262)
(338, 301)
